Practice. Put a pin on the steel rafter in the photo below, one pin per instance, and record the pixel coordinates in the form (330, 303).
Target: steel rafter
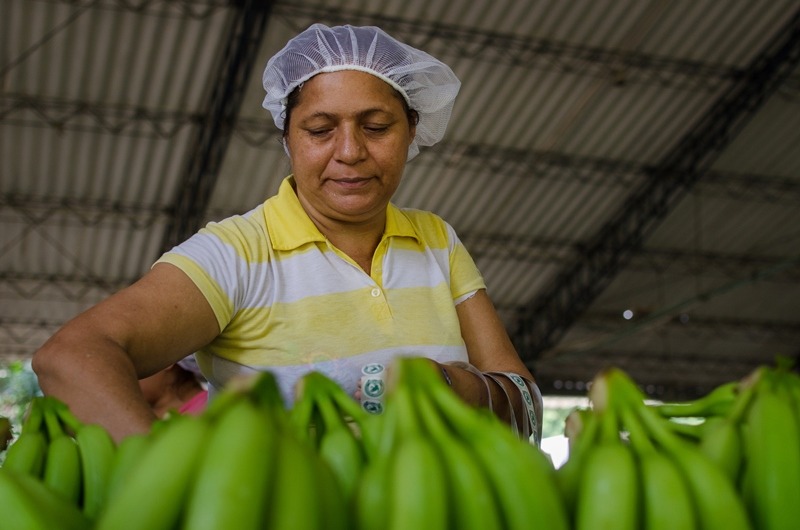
(194, 9)
(652, 260)
(214, 135)
(625, 66)
(71, 115)
(543, 322)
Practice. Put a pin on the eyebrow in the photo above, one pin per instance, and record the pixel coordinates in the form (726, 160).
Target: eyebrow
(361, 114)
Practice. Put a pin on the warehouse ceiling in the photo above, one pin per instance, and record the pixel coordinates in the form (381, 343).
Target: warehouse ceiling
(626, 173)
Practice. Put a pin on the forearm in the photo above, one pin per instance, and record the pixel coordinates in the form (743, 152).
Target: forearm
(96, 379)
(496, 392)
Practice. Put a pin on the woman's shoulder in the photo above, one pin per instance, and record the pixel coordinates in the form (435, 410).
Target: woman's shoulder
(419, 217)
(239, 226)
(430, 227)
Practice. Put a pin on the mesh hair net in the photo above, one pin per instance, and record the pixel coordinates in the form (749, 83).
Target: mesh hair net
(428, 85)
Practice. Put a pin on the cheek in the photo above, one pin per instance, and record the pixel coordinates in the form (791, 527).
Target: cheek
(394, 157)
(303, 157)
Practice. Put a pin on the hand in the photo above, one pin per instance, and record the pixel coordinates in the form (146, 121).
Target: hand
(357, 393)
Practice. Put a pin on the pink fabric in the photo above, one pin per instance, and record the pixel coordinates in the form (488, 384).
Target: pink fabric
(196, 405)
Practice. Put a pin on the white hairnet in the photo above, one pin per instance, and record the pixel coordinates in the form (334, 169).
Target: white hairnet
(428, 85)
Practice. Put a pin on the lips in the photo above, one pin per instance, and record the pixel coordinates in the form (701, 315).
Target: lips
(351, 183)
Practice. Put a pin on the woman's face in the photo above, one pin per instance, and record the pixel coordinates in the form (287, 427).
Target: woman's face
(348, 141)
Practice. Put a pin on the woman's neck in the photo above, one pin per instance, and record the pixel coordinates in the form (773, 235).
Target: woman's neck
(357, 240)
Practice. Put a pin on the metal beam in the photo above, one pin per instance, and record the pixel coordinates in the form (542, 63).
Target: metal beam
(526, 51)
(214, 135)
(544, 321)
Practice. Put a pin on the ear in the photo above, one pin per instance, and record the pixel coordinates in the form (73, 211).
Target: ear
(412, 126)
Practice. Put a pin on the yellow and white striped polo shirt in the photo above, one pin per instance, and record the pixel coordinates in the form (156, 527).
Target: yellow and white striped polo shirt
(288, 301)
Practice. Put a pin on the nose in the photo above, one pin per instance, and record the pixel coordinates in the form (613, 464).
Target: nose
(350, 146)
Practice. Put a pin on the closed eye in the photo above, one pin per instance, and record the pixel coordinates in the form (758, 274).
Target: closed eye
(318, 132)
(376, 129)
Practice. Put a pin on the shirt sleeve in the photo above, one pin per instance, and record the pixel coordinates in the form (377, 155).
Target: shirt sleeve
(217, 259)
(465, 278)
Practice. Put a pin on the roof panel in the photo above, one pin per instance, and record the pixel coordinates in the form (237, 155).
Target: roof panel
(565, 109)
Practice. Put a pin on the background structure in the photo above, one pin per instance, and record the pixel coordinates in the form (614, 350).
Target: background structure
(606, 159)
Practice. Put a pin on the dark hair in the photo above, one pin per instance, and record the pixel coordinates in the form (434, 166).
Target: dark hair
(294, 97)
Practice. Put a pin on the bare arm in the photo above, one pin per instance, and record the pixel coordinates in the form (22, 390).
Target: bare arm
(93, 363)
(490, 350)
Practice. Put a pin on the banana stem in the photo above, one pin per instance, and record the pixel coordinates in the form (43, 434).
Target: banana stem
(329, 413)
(33, 421)
(639, 439)
(587, 435)
(51, 421)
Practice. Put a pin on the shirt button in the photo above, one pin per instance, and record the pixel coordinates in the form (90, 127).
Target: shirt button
(376, 292)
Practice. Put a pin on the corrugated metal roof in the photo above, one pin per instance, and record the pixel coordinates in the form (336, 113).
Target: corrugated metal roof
(567, 110)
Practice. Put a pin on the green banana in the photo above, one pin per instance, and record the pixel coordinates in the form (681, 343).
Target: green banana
(301, 414)
(691, 431)
(492, 444)
(343, 452)
(34, 418)
(337, 511)
(472, 504)
(609, 492)
(156, 490)
(359, 420)
(717, 503)
(126, 458)
(340, 447)
(721, 441)
(96, 448)
(62, 467)
(608, 495)
(666, 503)
(773, 459)
(27, 503)
(27, 453)
(62, 470)
(582, 428)
(419, 490)
(233, 482)
(69, 422)
(318, 419)
(296, 499)
(371, 496)
(19, 509)
(717, 402)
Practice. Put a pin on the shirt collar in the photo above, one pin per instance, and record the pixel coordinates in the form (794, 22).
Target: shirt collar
(289, 226)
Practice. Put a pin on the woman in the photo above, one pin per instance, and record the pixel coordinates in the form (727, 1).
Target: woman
(326, 275)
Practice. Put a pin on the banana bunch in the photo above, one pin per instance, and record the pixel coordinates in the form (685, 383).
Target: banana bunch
(439, 463)
(697, 420)
(239, 464)
(59, 463)
(628, 468)
(750, 429)
(769, 446)
(335, 425)
(27, 453)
